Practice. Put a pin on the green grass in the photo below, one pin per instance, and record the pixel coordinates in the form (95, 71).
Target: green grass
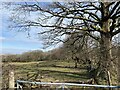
(49, 71)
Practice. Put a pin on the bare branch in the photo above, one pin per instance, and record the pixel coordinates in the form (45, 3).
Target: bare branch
(116, 32)
(114, 9)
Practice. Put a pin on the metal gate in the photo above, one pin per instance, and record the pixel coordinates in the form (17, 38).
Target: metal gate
(62, 85)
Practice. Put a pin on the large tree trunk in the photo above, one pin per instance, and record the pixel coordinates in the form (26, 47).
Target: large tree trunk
(106, 54)
(106, 45)
(106, 51)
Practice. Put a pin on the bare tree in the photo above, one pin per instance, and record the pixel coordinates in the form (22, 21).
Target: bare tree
(77, 48)
(99, 20)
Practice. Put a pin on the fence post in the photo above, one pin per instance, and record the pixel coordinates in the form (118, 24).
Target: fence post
(11, 79)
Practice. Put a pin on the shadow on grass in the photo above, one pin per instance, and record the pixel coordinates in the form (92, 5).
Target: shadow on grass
(58, 66)
(65, 74)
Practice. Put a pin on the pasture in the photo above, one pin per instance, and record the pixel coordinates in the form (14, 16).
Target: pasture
(46, 71)
(57, 71)
(49, 71)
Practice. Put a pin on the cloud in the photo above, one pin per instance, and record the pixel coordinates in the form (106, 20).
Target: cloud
(2, 38)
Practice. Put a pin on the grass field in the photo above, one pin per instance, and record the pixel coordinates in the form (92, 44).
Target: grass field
(49, 71)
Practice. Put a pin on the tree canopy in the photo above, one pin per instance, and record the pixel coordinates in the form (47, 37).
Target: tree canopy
(73, 17)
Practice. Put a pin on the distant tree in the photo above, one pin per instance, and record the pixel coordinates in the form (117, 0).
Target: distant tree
(75, 47)
(35, 55)
(9, 58)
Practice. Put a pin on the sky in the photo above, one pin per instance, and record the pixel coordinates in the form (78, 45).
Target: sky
(14, 42)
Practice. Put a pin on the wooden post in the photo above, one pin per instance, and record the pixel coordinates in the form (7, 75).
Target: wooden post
(11, 79)
(109, 80)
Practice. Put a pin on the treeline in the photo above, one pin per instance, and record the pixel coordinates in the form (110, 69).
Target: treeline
(36, 55)
(64, 52)
(24, 57)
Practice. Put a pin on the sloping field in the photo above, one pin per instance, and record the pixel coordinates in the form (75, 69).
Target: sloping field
(48, 71)
(45, 71)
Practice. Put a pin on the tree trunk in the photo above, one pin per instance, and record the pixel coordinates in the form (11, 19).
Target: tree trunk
(106, 53)
(106, 45)
(76, 59)
(75, 64)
